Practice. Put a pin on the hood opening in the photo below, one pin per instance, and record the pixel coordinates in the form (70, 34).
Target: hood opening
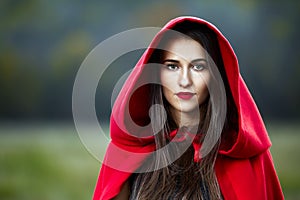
(243, 127)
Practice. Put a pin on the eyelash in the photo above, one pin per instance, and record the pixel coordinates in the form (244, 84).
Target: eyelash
(174, 67)
(202, 67)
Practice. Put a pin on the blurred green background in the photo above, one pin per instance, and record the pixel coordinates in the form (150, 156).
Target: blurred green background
(43, 43)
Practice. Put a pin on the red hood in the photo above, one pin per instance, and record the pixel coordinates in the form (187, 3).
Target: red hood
(250, 140)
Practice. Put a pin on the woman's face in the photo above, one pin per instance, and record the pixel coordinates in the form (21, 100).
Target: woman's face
(185, 75)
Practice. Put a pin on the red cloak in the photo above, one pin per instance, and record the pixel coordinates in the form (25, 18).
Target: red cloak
(244, 170)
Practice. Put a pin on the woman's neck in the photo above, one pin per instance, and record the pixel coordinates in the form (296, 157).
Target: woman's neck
(188, 119)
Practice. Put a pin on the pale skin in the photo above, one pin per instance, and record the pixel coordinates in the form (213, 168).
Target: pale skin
(184, 77)
(185, 71)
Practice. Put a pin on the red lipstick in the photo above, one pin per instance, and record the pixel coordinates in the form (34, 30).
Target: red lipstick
(185, 95)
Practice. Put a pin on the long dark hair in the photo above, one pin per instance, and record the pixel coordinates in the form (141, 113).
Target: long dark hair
(184, 178)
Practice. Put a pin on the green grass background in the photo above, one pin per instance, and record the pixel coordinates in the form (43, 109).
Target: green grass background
(49, 162)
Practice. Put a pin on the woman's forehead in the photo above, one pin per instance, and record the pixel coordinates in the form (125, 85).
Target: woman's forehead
(184, 48)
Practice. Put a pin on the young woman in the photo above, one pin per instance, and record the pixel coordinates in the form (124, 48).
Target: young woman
(185, 126)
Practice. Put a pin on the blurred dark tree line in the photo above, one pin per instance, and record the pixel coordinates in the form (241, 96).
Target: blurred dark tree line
(43, 43)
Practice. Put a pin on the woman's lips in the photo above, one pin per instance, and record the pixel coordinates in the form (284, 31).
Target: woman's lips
(185, 95)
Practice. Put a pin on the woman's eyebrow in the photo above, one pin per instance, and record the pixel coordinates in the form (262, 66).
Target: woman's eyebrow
(199, 60)
(171, 60)
(177, 61)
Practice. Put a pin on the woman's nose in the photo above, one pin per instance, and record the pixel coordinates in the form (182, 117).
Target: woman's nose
(185, 78)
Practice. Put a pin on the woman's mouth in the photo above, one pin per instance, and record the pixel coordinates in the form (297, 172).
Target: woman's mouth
(185, 95)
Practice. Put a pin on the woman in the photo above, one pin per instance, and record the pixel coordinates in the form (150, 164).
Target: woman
(186, 127)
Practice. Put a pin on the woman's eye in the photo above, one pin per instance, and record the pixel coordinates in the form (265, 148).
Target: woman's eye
(172, 67)
(198, 67)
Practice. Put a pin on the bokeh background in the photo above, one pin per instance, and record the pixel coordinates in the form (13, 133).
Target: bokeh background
(43, 43)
